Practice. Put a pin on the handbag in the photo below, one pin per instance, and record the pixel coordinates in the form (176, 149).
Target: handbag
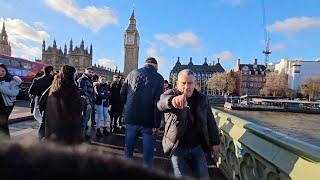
(36, 111)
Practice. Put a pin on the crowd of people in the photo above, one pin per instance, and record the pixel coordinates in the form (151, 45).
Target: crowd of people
(141, 104)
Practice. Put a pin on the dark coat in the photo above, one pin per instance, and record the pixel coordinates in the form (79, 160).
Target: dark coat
(140, 92)
(102, 93)
(39, 85)
(63, 117)
(86, 88)
(176, 122)
(115, 100)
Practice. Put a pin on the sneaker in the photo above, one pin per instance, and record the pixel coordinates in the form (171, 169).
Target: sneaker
(99, 134)
(116, 130)
(105, 132)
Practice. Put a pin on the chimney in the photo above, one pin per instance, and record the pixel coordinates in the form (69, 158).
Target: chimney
(255, 61)
(238, 62)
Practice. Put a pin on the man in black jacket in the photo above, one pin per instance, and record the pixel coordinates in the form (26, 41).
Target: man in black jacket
(140, 92)
(190, 128)
(38, 86)
(87, 93)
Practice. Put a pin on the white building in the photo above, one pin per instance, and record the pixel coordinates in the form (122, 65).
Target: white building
(298, 71)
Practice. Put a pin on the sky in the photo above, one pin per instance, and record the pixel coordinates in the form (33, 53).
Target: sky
(225, 29)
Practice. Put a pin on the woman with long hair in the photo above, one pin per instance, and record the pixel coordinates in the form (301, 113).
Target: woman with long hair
(9, 89)
(63, 109)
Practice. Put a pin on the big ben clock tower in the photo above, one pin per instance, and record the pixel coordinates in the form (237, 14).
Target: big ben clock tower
(131, 46)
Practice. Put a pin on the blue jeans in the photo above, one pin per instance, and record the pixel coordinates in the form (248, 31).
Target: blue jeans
(102, 115)
(195, 158)
(85, 119)
(149, 140)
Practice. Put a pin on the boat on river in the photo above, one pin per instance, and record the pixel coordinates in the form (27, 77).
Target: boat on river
(255, 103)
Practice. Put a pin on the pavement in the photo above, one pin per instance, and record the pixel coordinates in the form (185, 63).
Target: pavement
(23, 128)
(21, 112)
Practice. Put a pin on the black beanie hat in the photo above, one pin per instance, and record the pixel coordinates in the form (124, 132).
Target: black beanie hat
(151, 60)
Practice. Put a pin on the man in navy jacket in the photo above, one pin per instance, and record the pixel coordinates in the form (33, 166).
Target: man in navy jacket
(140, 93)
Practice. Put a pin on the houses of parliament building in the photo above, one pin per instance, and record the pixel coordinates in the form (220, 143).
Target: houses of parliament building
(81, 57)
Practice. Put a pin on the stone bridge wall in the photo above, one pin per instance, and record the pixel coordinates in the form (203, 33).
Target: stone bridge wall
(249, 151)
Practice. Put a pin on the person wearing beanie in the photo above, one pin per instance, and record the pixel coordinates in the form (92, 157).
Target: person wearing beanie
(140, 92)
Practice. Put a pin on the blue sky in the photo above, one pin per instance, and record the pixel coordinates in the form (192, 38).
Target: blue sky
(229, 29)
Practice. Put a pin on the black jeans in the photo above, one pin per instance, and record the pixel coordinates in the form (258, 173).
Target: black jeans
(4, 122)
(4, 126)
(93, 115)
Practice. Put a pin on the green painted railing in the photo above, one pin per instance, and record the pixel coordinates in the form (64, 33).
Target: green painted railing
(249, 151)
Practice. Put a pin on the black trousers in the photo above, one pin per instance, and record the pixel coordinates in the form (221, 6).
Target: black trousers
(4, 126)
(93, 115)
(4, 122)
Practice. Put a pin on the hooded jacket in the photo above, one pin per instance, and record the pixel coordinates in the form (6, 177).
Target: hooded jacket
(9, 90)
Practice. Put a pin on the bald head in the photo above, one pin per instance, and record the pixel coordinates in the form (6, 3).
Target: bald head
(186, 82)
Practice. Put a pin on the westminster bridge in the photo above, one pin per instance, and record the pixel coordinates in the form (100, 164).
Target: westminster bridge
(248, 150)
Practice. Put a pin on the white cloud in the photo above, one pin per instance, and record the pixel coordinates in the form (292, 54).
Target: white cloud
(294, 25)
(25, 51)
(278, 47)
(153, 52)
(225, 56)
(40, 25)
(89, 16)
(180, 40)
(106, 62)
(21, 35)
(17, 29)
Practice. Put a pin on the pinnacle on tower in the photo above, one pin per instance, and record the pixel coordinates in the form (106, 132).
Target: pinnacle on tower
(71, 46)
(3, 26)
(43, 45)
(54, 44)
(91, 49)
(82, 44)
(65, 49)
(190, 63)
(205, 61)
(132, 18)
(4, 35)
(132, 15)
(178, 61)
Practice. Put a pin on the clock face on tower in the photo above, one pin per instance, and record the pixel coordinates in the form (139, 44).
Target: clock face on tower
(130, 39)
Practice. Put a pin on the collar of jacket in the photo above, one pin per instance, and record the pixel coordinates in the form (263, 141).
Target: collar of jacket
(85, 75)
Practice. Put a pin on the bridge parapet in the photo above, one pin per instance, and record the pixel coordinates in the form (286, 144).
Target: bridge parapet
(250, 151)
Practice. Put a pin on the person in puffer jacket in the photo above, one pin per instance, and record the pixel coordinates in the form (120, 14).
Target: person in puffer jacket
(9, 89)
(102, 96)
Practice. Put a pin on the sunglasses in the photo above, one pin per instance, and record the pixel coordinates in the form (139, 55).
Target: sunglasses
(116, 77)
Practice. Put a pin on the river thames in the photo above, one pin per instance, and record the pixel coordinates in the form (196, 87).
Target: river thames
(305, 127)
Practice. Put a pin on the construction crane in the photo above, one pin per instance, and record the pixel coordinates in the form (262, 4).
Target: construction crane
(266, 50)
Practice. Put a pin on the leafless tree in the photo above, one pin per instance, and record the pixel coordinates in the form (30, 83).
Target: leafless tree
(222, 81)
(277, 85)
(311, 87)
